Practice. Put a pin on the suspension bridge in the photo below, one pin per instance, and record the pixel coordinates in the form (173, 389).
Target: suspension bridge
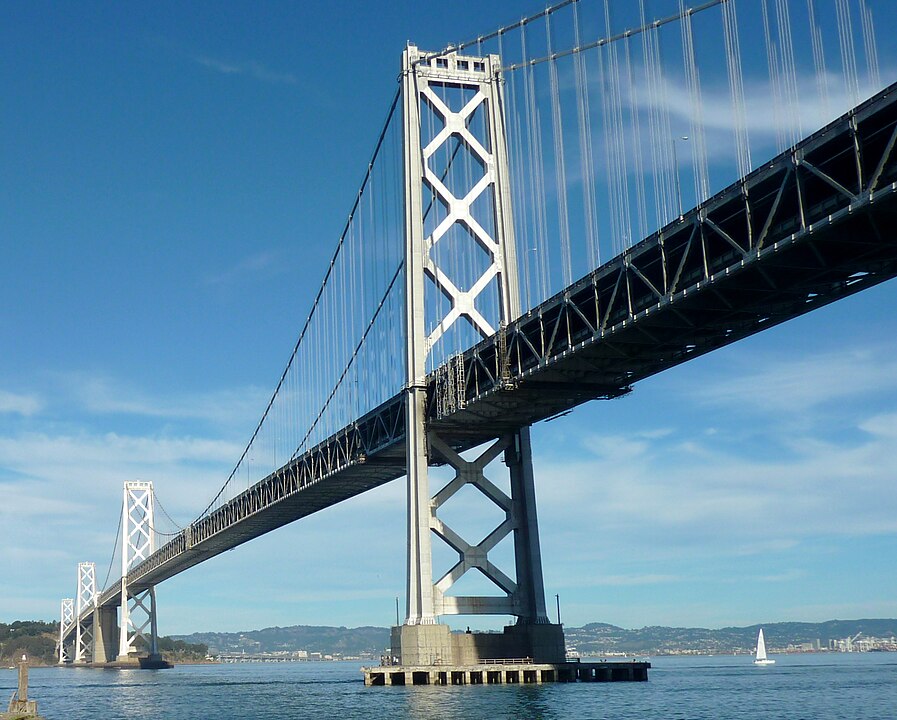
(552, 212)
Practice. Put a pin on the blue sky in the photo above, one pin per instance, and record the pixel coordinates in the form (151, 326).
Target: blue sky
(173, 181)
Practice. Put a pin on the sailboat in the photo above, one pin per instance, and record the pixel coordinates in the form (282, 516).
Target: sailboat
(761, 651)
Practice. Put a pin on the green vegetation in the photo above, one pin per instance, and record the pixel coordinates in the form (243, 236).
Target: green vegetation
(181, 651)
(368, 641)
(37, 640)
(33, 638)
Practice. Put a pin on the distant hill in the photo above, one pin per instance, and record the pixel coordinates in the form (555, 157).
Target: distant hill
(322, 639)
(591, 639)
(34, 638)
(598, 638)
(37, 639)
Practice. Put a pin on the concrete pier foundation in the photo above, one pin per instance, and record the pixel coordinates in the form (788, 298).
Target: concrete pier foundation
(20, 706)
(502, 673)
(435, 644)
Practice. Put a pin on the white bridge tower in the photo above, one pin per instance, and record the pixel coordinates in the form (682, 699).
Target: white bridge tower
(137, 617)
(66, 622)
(86, 601)
(462, 98)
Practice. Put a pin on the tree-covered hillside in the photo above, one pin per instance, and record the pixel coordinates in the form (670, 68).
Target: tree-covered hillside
(33, 638)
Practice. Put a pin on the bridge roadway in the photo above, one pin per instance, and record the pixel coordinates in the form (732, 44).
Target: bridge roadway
(815, 224)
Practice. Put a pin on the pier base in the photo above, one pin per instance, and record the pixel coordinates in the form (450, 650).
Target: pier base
(435, 644)
(523, 672)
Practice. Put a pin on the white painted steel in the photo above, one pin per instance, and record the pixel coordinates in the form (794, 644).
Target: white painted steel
(137, 617)
(66, 621)
(87, 600)
(524, 596)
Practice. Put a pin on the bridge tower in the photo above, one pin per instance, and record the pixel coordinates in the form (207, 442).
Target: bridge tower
(482, 212)
(66, 622)
(137, 616)
(86, 601)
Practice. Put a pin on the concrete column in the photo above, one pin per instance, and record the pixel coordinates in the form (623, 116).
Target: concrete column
(22, 692)
(154, 627)
(105, 634)
(527, 555)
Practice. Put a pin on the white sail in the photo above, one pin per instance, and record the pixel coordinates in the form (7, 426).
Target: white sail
(761, 651)
(761, 646)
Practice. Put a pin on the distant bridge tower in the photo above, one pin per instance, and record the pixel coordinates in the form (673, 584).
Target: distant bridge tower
(480, 211)
(137, 617)
(66, 622)
(86, 601)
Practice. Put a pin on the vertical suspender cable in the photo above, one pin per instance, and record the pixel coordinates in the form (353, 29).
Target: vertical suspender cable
(848, 51)
(653, 125)
(612, 125)
(773, 64)
(736, 87)
(636, 144)
(699, 153)
(789, 71)
(560, 166)
(609, 149)
(818, 58)
(585, 149)
(537, 172)
(869, 45)
(670, 164)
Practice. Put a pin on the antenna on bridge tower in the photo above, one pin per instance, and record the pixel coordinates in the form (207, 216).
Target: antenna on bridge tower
(137, 617)
(87, 600)
(66, 621)
(440, 83)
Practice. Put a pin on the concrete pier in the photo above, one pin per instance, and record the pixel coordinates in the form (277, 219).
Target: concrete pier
(525, 653)
(20, 707)
(501, 672)
(438, 645)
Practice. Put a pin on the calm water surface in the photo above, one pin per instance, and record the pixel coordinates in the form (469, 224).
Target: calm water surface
(836, 686)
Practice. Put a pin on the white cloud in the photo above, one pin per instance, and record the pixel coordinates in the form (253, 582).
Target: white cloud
(105, 396)
(261, 263)
(44, 475)
(250, 68)
(624, 580)
(883, 426)
(786, 385)
(18, 404)
(707, 500)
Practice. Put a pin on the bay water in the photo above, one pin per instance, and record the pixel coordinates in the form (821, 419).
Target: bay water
(836, 686)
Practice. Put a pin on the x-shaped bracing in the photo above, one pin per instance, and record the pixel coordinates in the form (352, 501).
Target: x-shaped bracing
(472, 556)
(459, 212)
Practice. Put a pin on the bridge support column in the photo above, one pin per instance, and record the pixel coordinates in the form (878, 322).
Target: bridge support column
(457, 91)
(138, 633)
(66, 623)
(527, 553)
(86, 603)
(105, 635)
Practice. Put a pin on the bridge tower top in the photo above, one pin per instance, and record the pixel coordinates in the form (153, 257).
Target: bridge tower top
(464, 95)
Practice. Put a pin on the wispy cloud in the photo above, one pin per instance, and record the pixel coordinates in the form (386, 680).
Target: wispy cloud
(624, 580)
(799, 384)
(259, 264)
(250, 68)
(723, 502)
(17, 404)
(100, 395)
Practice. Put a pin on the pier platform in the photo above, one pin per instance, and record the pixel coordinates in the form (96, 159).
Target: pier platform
(501, 672)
